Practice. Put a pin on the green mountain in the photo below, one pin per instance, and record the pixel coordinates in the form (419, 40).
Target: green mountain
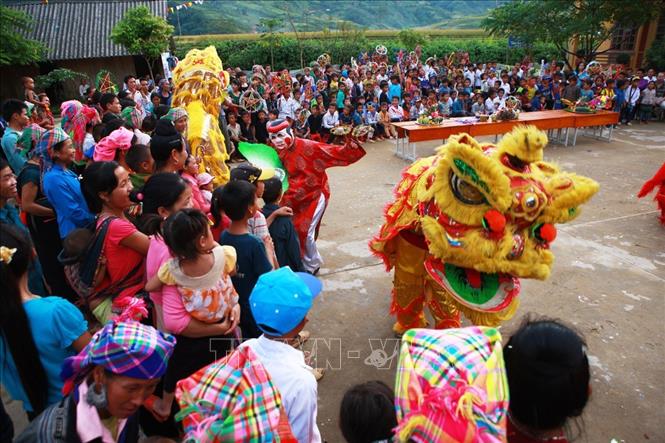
(236, 16)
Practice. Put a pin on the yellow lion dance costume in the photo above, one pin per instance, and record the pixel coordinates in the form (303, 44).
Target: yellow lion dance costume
(467, 223)
(200, 88)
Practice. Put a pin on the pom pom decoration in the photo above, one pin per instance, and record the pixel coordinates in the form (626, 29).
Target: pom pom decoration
(494, 221)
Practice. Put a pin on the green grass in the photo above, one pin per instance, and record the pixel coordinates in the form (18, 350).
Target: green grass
(370, 34)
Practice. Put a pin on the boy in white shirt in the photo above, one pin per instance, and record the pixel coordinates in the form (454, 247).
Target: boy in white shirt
(395, 111)
(330, 120)
(280, 302)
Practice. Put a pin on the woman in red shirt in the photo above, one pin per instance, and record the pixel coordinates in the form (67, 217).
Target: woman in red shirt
(106, 187)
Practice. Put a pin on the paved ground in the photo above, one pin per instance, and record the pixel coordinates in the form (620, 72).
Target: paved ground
(608, 281)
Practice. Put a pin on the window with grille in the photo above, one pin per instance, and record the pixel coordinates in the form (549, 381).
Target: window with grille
(623, 38)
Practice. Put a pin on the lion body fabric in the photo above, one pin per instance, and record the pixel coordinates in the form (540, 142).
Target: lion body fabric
(467, 223)
(200, 88)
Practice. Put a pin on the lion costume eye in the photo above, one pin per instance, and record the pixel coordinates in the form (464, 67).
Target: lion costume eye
(465, 192)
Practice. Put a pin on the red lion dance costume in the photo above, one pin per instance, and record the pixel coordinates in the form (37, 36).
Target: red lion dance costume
(305, 162)
(656, 180)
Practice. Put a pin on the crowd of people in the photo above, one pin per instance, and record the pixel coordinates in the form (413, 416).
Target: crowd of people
(107, 219)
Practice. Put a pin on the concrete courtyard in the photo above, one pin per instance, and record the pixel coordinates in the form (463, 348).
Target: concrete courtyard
(608, 281)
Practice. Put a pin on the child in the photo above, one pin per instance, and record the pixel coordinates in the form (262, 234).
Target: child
(200, 270)
(280, 303)
(489, 102)
(42, 115)
(647, 100)
(190, 173)
(329, 121)
(548, 375)
(247, 132)
(29, 92)
(260, 130)
(367, 413)
(282, 231)
(234, 130)
(205, 185)
(238, 201)
(301, 125)
(140, 161)
(384, 120)
(395, 111)
(478, 106)
(444, 104)
(372, 119)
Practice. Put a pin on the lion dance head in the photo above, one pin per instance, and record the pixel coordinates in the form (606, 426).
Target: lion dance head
(200, 88)
(485, 217)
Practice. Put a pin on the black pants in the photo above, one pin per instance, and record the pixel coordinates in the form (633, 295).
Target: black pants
(46, 238)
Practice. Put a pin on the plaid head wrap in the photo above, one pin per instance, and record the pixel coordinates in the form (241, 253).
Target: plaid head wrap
(120, 139)
(30, 137)
(75, 117)
(123, 348)
(132, 116)
(451, 386)
(46, 142)
(175, 114)
(232, 400)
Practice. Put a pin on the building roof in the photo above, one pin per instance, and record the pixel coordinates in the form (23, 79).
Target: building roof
(75, 29)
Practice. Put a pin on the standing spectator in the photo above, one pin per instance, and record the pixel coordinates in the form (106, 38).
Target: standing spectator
(238, 202)
(38, 334)
(260, 127)
(632, 98)
(164, 92)
(61, 185)
(15, 113)
(647, 100)
(279, 318)
(83, 90)
(9, 216)
(142, 97)
(106, 187)
(247, 133)
(110, 107)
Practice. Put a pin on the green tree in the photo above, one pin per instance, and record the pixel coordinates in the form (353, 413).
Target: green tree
(270, 38)
(656, 55)
(591, 22)
(410, 38)
(16, 49)
(142, 33)
(56, 79)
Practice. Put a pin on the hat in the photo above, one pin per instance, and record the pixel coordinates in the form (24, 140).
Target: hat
(451, 386)
(204, 178)
(250, 173)
(281, 299)
(122, 348)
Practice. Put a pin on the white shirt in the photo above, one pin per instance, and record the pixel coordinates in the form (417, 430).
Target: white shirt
(381, 78)
(632, 95)
(295, 382)
(489, 106)
(330, 121)
(395, 112)
(288, 107)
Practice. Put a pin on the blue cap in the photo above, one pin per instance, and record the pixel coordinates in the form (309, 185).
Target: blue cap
(281, 299)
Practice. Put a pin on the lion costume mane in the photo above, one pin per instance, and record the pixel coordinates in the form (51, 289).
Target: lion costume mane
(200, 88)
(468, 222)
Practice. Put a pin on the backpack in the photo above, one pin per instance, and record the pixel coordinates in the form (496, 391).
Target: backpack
(84, 263)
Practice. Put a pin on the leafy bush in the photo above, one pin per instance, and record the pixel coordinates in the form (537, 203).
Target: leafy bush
(245, 53)
(55, 81)
(656, 55)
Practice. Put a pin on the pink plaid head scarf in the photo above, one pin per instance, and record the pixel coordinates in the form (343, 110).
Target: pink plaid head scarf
(120, 139)
(75, 117)
(451, 386)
